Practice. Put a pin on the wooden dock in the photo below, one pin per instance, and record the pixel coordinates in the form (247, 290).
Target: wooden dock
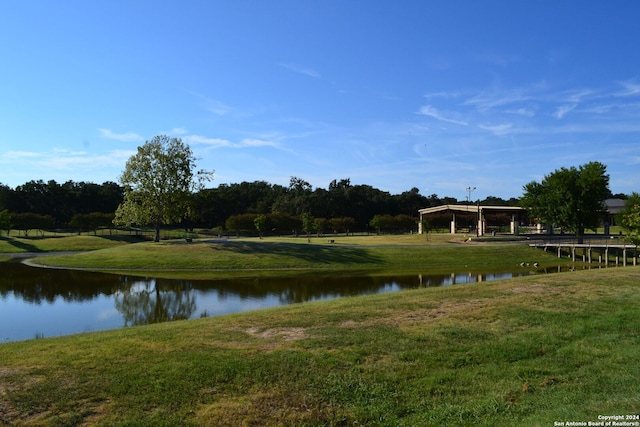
(622, 254)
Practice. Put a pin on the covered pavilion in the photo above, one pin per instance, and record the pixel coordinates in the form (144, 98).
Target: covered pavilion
(479, 212)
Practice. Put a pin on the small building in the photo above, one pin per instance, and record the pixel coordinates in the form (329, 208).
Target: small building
(480, 215)
(612, 208)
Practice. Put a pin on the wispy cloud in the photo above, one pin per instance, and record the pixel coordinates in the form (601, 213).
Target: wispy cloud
(300, 69)
(177, 131)
(495, 97)
(576, 96)
(88, 161)
(563, 110)
(498, 129)
(214, 106)
(124, 137)
(489, 100)
(630, 88)
(523, 111)
(430, 111)
(532, 104)
(212, 142)
(18, 155)
(217, 107)
(220, 143)
(442, 94)
(68, 160)
(600, 109)
(250, 142)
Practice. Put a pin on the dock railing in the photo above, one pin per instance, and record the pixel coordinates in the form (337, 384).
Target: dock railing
(603, 251)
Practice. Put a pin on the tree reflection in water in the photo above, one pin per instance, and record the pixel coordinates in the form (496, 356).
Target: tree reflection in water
(70, 301)
(152, 301)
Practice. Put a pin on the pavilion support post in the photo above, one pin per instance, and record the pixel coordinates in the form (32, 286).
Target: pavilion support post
(480, 222)
(453, 223)
(514, 226)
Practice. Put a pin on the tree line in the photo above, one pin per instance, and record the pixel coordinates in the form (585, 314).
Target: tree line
(50, 205)
(341, 207)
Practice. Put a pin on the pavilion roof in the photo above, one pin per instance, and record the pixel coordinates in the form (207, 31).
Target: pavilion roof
(469, 208)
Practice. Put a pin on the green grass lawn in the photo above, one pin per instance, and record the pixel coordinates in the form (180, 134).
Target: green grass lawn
(529, 351)
(250, 257)
(61, 242)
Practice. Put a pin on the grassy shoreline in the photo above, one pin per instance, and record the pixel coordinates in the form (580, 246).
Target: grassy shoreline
(530, 351)
(253, 257)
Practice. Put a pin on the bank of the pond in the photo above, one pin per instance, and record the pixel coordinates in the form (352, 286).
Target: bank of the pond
(16, 245)
(255, 257)
(528, 351)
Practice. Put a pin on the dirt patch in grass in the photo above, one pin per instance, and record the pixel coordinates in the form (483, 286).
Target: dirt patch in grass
(350, 324)
(538, 288)
(12, 379)
(531, 289)
(7, 411)
(278, 334)
(22, 385)
(446, 308)
(272, 407)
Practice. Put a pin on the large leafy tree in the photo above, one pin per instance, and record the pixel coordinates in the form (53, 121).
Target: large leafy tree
(571, 199)
(5, 221)
(295, 201)
(629, 218)
(159, 181)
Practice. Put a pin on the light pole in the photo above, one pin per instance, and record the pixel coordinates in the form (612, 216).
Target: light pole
(469, 190)
(479, 221)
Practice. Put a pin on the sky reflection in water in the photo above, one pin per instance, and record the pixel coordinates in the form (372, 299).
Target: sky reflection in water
(38, 302)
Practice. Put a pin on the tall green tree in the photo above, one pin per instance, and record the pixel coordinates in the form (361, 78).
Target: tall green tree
(409, 202)
(261, 224)
(309, 224)
(5, 221)
(629, 218)
(571, 199)
(241, 223)
(159, 181)
(295, 200)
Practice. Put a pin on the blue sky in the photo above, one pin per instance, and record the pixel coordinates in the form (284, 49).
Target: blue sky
(438, 95)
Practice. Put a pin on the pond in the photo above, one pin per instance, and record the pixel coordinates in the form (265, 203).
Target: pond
(38, 302)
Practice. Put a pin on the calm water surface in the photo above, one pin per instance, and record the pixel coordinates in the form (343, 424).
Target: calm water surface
(37, 302)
